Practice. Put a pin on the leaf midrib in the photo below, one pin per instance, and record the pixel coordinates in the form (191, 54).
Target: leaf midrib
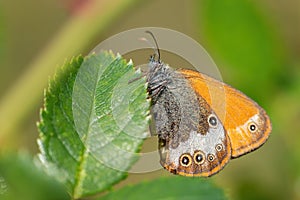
(83, 156)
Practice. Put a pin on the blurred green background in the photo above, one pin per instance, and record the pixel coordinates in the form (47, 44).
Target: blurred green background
(255, 44)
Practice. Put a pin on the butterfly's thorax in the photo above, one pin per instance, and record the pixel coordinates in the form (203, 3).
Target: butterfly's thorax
(174, 103)
(181, 121)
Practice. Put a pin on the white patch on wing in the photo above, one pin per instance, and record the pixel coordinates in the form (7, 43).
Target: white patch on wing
(205, 143)
(244, 127)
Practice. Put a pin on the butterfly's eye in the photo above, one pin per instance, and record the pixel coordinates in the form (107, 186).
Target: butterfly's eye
(219, 147)
(199, 157)
(212, 120)
(161, 143)
(210, 157)
(185, 160)
(252, 127)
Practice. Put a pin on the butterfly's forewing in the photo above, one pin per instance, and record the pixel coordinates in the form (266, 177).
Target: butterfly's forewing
(245, 122)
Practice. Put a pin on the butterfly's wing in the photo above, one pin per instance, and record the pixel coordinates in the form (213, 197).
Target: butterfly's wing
(192, 139)
(245, 122)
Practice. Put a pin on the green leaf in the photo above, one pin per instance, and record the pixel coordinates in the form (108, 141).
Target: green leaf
(116, 129)
(169, 188)
(20, 178)
(238, 34)
(71, 133)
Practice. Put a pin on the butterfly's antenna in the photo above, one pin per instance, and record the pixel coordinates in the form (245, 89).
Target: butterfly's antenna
(157, 48)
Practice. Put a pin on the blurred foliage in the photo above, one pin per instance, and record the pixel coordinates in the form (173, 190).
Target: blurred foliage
(20, 178)
(169, 188)
(237, 33)
(2, 34)
(286, 112)
(255, 45)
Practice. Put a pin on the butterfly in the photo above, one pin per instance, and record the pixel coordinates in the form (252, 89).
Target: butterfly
(201, 122)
